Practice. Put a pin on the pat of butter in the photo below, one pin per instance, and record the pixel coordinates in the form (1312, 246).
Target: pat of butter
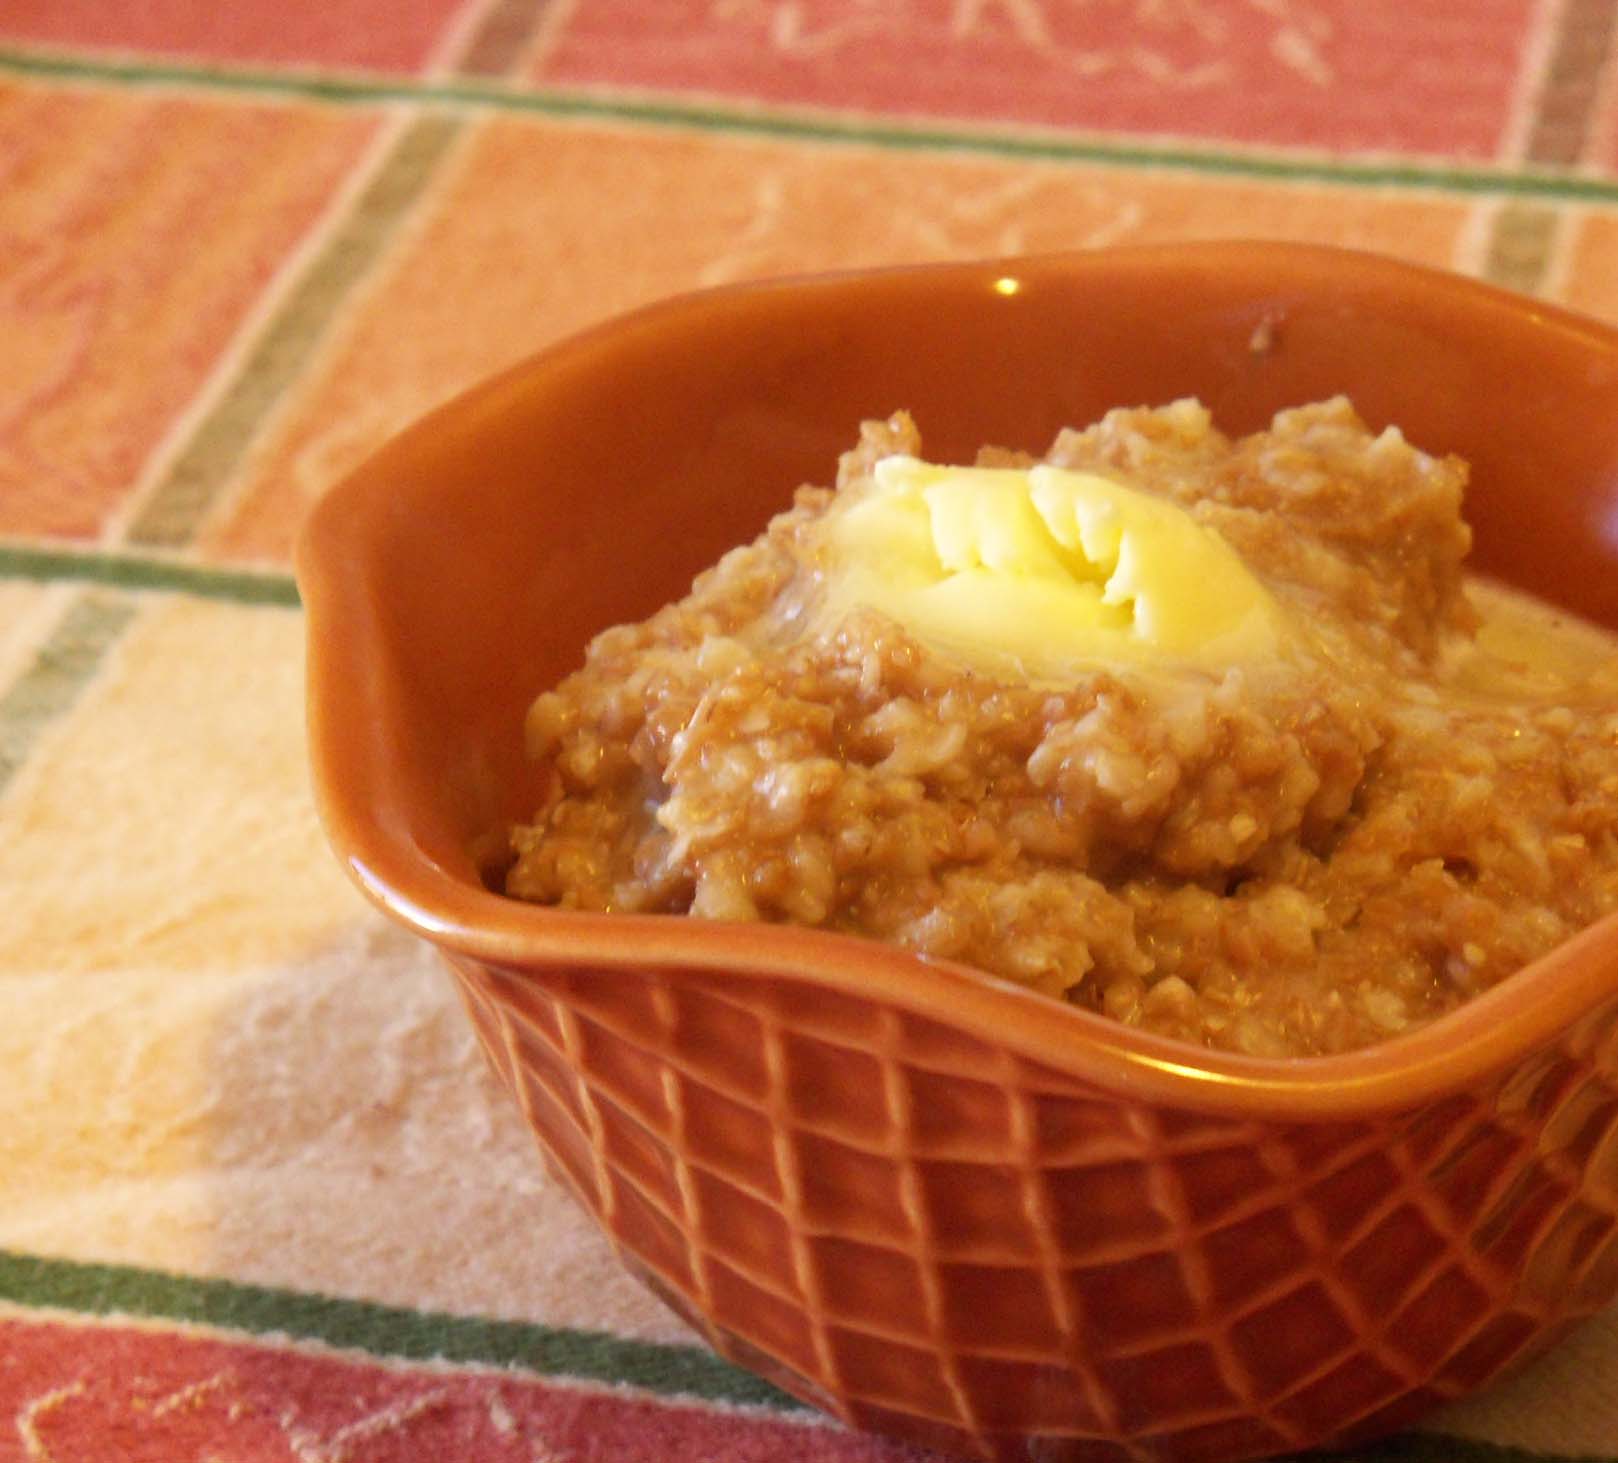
(1041, 570)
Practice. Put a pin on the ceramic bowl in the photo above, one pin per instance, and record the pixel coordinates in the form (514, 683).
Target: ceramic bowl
(936, 1205)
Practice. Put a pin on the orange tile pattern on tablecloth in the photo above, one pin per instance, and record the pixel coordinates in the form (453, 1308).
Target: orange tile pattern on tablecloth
(129, 828)
(1601, 142)
(1368, 75)
(557, 216)
(1591, 285)
(392, 35)
(138, 231)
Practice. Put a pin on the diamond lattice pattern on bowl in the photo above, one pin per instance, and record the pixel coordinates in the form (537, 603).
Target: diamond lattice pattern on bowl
(922, 1232)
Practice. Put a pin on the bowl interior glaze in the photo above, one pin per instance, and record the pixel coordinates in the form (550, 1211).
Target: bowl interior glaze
(465, 566)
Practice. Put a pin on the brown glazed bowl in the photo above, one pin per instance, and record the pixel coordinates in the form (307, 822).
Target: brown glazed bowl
(934, 1204)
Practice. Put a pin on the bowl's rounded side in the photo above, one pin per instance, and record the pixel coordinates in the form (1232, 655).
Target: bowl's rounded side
(909, 1225)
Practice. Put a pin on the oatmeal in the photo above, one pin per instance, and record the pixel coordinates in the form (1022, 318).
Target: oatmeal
(1388, 787)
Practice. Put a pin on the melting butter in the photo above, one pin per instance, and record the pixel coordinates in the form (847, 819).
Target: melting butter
(1041, 570)
(1526, 648)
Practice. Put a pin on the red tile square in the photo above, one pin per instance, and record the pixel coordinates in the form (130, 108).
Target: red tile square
(1377, 75)
(138, 232)
(382, 35)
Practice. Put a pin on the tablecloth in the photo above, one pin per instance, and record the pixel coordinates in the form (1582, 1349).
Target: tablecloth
(258, 1199)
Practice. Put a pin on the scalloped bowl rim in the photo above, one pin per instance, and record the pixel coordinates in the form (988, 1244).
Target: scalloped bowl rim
(1482, 1037)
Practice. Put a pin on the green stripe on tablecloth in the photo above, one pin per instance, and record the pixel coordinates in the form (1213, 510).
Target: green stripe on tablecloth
(552, 1351)
(751, 120)
(177, 505)
(60, 670)
(1521, 245)
(388, 1331)
(137, 571)
(393, 1332)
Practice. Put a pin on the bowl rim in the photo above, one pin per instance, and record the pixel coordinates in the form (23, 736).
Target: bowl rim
(1480, 1039)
